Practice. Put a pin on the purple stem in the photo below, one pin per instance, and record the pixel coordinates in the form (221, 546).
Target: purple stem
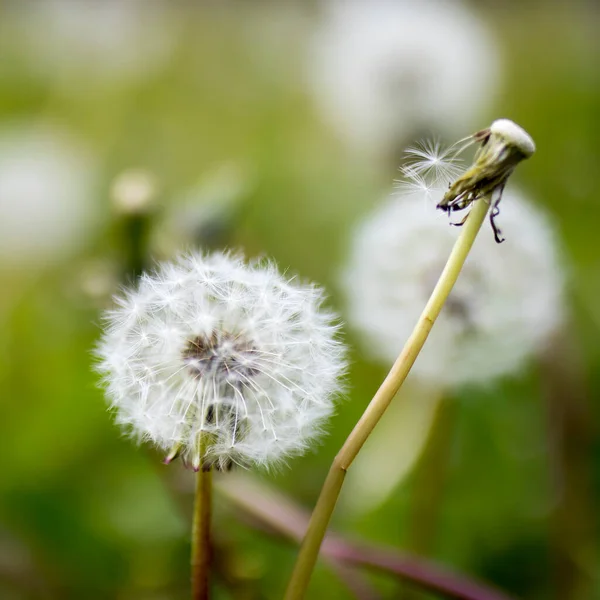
(279, 513)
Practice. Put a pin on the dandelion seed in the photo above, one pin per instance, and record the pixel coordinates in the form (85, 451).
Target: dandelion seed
(210, 346)
(413, 182)
(432, 160)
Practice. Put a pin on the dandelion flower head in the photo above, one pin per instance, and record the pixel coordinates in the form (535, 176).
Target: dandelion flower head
(213, 349)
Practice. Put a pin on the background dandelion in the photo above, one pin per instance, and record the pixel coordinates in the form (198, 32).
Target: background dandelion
(503, 310)
(108, 43)
(47, 190)
(383, 72)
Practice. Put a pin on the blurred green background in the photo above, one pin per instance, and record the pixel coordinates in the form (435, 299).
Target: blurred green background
(219, 114)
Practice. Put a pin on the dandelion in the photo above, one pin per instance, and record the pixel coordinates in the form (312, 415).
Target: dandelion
(503, 312)
(503, 309)
(102, 42)
(47, 189)
(503, 145)
(381, 71)
(222, 362)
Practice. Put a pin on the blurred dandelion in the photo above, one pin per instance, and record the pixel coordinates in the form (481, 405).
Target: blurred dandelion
(211, 347)
(382, 71)
(503, 309)
(47, 189)
(102, 42)
(134, 191)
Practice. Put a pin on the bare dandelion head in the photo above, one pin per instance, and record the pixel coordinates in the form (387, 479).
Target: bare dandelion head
(503, 146)
(210, 348)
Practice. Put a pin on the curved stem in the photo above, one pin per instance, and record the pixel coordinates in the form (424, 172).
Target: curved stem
(201, 544)
(333, 483)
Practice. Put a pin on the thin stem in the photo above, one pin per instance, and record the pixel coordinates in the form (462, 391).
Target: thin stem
(429, 480)
(571, 431)
(330, 492)
(201, 544)
(428, 485)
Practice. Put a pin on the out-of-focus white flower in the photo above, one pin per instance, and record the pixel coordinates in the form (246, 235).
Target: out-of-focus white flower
(507, 302)
(112, 40)
(383, 70)
(133, 192)
(212, 347)
(47, 186)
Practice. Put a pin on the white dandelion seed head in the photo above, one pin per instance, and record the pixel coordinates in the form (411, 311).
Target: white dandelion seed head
(104, 42)
(513, 134)
(507, 302)
(47, 194)
(211, 345)
(381, 70)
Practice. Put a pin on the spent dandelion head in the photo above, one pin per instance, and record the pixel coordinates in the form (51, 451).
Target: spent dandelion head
(503, 146)
(221, 361)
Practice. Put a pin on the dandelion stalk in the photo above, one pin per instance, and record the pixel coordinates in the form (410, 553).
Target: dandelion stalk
(377, 407)
(503, 146)
(430, 478)
(201, 538)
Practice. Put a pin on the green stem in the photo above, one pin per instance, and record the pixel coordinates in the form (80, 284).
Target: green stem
(135, 233)
(201, 543)
(428, 485)
(330, 492)
(429, 480)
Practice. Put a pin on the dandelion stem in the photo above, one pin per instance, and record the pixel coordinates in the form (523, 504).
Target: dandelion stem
(201, 543)
(330, 492)
(428, 486)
